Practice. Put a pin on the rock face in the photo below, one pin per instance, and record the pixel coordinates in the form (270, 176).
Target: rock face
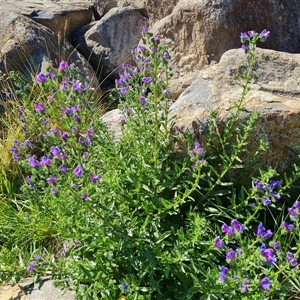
(28, 46)
(200, 31)
(111, 39)
(62, 17)
(276, 96)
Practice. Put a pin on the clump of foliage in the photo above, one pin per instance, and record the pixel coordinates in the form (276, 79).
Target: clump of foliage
(131, 218)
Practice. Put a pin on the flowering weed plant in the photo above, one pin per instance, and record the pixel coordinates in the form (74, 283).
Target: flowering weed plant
(131, 218)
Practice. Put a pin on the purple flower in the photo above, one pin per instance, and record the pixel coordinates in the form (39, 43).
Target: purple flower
(28, 179)
(265, 283)
(54, 130)
(144, 29)
(227, 229)
(76, 118)
(259, 185)
(55, 150)
(244, 288)
(87, 142)
(291, 259)
(30, 267)
(218, 243)
(166, 56)
(222, 274)
(52, 179)
(77, 86)
(292, 212)
(51, 75)
(237, 226)
(64, 136)
(45, 161)
(63, 168)
(127, 111)
(230, 255)
(264, 35)
(78, 171)
(267, 234)
(147, 80)
(85, 154)
(275, 244)
(266, 200)
(41, 78)
(268, 253)
(123, 121)
(123, 90)
(16, 157)
(84, 196)
(244, 36)
(297, 204)
(89, 132)
(125, 287)
(274, 183)
(260, 230)
(287, 226)
(39, 107)
(143, 100)
(33, 162)
(54, 191)
(94, 178)
(245, 47)
(275, 196)
(14, 149)
(37, 258)
(63, 156)
(252, 33)
(63, 65)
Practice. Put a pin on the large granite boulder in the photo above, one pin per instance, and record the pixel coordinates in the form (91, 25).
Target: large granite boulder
(110, 40)
(28, 47)
(62, 17)
(200, 31)
(103, 6)
(275, 96)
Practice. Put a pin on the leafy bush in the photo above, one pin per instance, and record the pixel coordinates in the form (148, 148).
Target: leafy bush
(134, 218)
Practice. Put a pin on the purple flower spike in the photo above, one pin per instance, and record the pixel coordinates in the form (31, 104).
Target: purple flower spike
(265, 283)
(78, 172)
(297, 204)
(218, 243)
